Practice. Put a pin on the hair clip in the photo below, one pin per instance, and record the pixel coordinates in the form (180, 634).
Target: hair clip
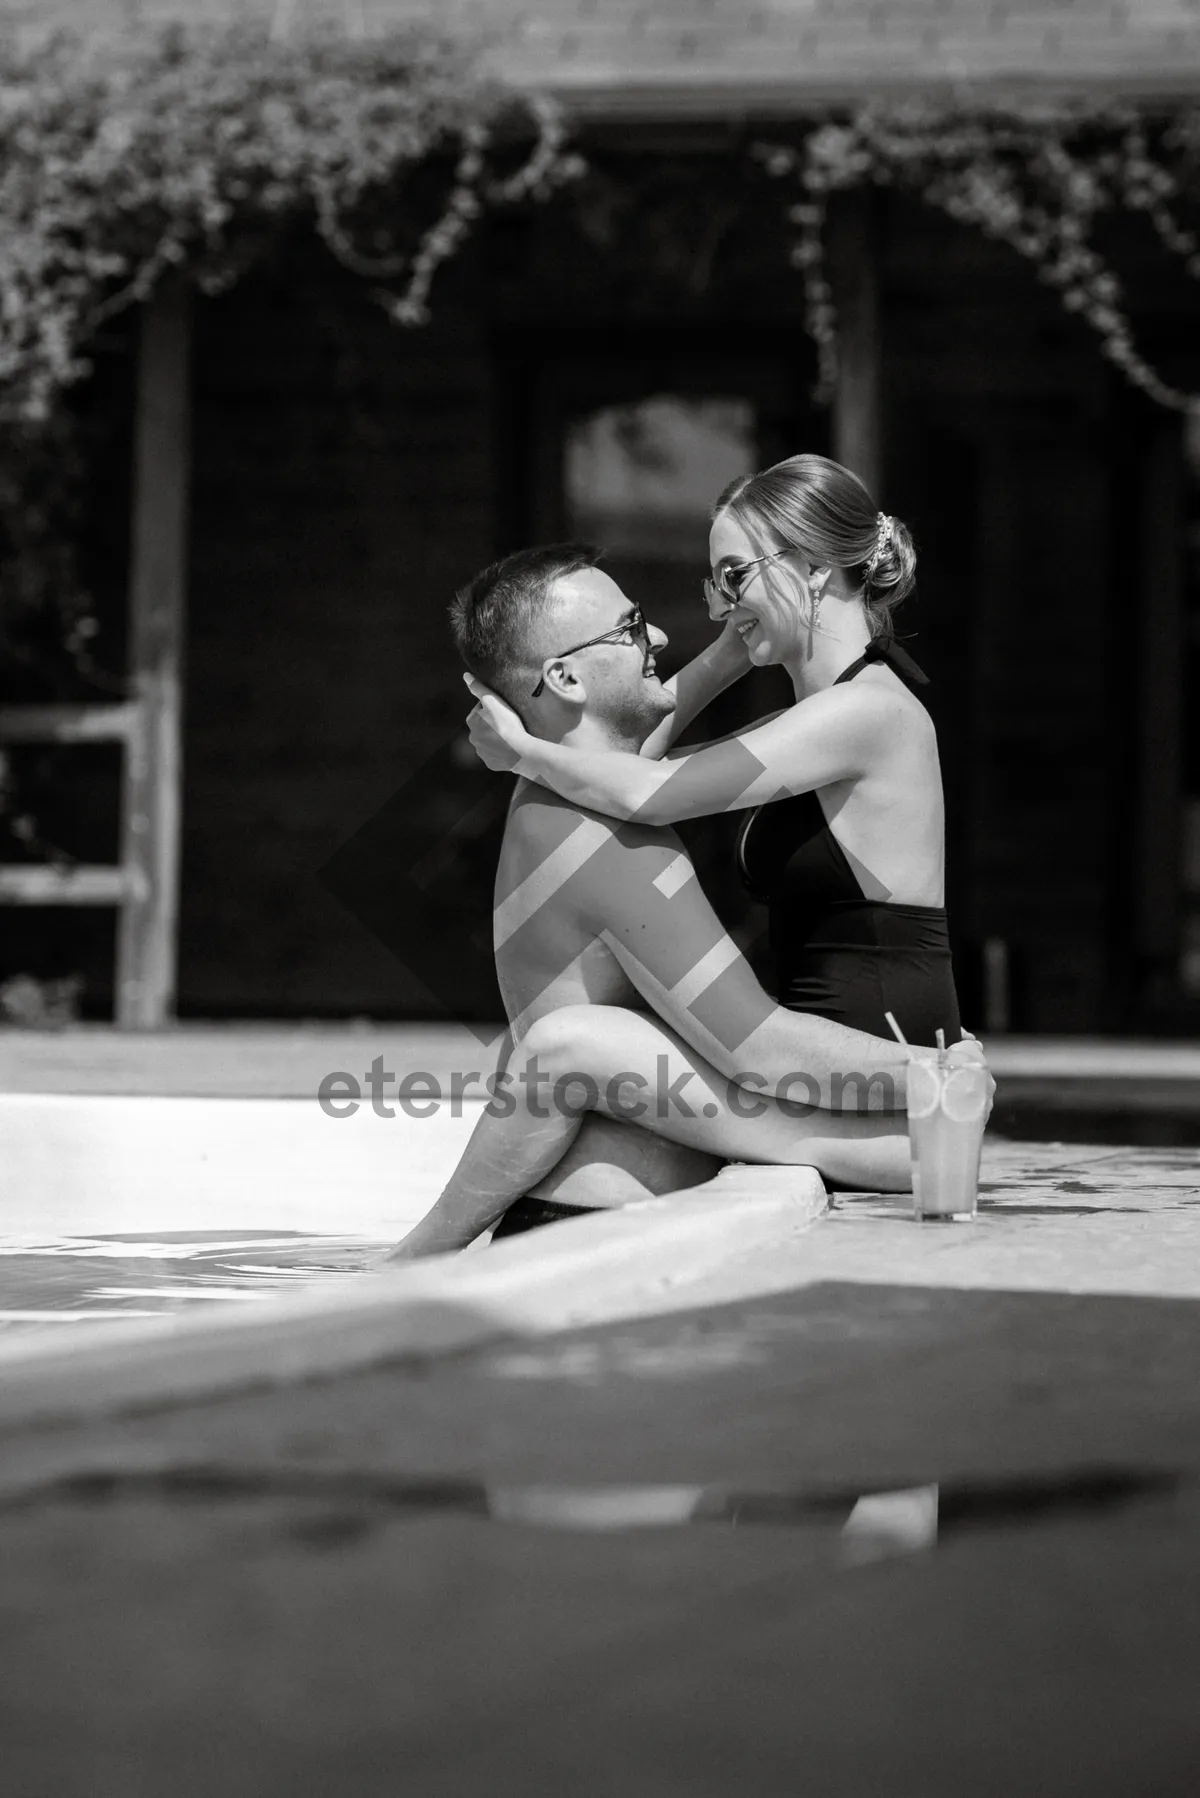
(884, 527)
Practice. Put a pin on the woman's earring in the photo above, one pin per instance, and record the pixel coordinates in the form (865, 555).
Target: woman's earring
(814, 607)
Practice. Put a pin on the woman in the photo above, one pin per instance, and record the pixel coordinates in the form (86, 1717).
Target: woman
(843, 839)
(848, 850)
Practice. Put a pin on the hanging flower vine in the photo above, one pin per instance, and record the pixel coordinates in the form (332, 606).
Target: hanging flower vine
(1037, 180)
(122, 160)
(119, 162)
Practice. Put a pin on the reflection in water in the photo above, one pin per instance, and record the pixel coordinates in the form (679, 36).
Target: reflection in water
(866, 1526)
(595, 1508)
(891, 1523)
(879, 1524)
(51, 1280)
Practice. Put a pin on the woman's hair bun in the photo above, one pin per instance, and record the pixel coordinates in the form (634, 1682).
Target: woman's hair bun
(891, 569)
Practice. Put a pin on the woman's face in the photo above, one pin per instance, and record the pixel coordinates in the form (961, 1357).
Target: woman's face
(772, 610)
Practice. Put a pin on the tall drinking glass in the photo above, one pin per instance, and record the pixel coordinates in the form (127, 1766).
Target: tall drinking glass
(948, 1105)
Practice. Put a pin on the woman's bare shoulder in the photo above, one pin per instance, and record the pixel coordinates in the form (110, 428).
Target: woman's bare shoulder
(881, 693)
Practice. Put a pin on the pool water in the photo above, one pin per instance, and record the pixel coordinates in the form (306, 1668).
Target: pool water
(1132, 1127)
(115, 1206)
(58, 1280)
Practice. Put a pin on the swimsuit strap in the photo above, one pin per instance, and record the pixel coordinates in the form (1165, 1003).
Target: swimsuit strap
(883, 649)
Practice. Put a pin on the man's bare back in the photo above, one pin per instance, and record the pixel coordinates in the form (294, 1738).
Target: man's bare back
(548, 954)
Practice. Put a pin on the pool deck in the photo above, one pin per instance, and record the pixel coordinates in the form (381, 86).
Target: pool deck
(442, 1529)
(290, 1060)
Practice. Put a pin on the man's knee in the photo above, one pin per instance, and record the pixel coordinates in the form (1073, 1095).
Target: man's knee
(557, 1041)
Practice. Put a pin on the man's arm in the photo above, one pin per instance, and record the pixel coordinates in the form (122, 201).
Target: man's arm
(640, 894)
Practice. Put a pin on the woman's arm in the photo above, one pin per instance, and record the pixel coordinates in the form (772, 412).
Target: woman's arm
(834, 735)
(717, 666)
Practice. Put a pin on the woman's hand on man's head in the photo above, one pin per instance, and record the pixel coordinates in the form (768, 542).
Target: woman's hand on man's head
(497, 735)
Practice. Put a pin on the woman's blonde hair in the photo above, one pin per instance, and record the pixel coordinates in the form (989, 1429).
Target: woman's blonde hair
(811, 504)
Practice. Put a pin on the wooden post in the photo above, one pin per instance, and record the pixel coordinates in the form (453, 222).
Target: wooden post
(150, 825)
(854, 273)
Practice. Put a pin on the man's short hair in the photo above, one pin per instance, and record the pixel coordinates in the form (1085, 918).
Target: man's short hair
(493, 616)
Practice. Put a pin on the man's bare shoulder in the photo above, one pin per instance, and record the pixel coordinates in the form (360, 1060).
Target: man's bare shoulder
(593, 865)
(540, 819)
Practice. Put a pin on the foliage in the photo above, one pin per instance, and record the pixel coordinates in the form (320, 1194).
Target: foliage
(1038, 179)
(122, 160)
(125, 159)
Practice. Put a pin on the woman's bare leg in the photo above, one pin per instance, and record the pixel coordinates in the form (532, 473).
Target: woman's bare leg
(595, 1055)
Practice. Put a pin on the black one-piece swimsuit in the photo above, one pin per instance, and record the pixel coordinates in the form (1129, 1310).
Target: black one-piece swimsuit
(837, 953)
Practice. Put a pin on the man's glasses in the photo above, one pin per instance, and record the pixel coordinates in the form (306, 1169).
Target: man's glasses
(721, 588)
(634, 631)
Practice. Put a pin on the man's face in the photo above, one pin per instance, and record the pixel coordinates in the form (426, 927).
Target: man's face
(616, 681)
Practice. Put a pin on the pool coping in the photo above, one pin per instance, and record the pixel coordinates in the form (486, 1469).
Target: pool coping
(1057, 1218)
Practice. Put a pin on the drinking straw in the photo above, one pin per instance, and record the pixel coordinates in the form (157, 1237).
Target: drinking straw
(896, 1031)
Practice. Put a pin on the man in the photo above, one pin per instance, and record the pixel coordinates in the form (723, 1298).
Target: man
(590, 912)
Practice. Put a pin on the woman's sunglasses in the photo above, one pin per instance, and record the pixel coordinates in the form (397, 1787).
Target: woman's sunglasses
(725, 588)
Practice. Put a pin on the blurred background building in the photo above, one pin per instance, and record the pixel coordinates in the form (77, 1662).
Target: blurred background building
(599, 366)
